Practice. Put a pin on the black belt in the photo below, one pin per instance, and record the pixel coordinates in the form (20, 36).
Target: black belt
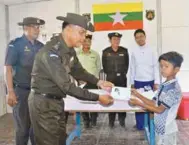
(50, 96)
(116, 74)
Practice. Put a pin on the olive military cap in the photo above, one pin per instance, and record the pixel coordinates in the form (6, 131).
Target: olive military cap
(77, 19)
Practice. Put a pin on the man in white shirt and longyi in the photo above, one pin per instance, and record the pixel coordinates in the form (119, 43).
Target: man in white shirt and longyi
(144, 70)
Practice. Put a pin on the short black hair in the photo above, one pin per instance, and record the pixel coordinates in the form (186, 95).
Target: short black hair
(173, 57)
(139, 31)
(64, 25)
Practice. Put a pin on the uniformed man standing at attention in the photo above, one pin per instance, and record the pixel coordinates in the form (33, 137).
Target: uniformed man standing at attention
(18, 66)
(55, 68)
(115, 61)
(90, 60)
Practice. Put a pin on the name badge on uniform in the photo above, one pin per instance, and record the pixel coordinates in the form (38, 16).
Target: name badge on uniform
(121, 54)
(109, 54)
(118, 74)
(26, 49)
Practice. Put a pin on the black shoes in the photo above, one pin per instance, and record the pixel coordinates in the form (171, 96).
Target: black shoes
(122, 123)
(88, 124)
(111, 124)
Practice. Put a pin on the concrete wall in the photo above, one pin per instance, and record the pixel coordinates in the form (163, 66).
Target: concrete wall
(3, 43)
(175, 33)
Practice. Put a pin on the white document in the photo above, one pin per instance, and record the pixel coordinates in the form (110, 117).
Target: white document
(149, 94)
(121, 93)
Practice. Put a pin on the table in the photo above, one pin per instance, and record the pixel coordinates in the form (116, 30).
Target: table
(75, 105)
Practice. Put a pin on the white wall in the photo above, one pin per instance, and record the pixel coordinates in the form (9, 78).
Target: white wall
(175, 33)
(47, 10)
(2, 52)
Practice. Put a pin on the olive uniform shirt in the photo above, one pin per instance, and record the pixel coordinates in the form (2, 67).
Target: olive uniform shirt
(54, 66)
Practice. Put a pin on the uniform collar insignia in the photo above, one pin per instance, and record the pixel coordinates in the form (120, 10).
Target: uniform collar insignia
(26, 49)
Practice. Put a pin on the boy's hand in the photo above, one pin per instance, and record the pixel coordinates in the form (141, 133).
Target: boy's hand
(156, 86)
(133, 101)
(134, 92)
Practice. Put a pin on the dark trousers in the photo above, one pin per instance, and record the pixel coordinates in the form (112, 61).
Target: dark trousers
(48, 120)
(22, 118)
(139, 115)
(92, 116)
(121, 81)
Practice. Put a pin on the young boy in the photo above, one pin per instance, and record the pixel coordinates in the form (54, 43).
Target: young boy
(166, 102)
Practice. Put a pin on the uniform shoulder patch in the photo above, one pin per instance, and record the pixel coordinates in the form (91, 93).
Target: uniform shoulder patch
(123, 48)
(53, 55)
(13, 42)
(11, 45)
(106, 49)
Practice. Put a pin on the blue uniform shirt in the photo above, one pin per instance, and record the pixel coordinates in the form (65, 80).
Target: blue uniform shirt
(20, 55)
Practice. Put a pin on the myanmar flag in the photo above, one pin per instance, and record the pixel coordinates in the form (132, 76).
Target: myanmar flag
(118, 16)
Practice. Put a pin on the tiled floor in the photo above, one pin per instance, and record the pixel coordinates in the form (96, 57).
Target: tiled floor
(101, 135)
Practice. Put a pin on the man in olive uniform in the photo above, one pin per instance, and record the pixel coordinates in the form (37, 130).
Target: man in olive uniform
(55, 68)
(115, 61)
(18, 65)
(90, 60)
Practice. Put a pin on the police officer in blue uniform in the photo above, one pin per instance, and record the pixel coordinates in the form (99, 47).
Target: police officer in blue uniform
(115, 61)
(18, 65)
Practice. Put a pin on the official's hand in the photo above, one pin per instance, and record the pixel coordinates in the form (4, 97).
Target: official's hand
(105, 85)
(106, 99)
(12, 99)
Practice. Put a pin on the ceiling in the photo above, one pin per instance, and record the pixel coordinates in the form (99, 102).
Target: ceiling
(13, 2)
